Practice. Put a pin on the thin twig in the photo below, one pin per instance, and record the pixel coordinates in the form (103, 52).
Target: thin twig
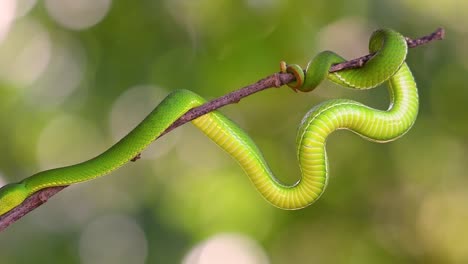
(274, 80)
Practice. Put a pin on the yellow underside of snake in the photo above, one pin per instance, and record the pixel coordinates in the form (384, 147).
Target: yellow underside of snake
(388, 65)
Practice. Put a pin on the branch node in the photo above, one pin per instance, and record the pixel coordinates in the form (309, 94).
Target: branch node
(43, 197)
(137, 157)
(277, 80)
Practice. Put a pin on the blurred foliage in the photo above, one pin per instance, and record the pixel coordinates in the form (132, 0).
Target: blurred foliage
(77, 75)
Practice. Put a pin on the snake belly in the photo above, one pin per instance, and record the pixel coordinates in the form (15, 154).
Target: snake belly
(376, 125)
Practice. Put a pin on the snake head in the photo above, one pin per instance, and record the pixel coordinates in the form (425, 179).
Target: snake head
(12, 195)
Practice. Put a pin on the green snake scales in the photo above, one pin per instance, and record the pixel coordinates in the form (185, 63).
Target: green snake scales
(388, 64)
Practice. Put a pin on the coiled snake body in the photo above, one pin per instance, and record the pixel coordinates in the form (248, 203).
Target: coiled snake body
(388, 64)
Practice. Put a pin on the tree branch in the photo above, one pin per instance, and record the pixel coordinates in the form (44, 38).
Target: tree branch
(274, 80)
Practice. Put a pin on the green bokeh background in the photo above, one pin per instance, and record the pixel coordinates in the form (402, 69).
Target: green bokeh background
(69, 92)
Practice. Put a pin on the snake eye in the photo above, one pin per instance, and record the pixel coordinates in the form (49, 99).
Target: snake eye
(12, 195)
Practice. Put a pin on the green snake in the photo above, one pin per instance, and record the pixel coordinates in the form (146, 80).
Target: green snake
(388, 64)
